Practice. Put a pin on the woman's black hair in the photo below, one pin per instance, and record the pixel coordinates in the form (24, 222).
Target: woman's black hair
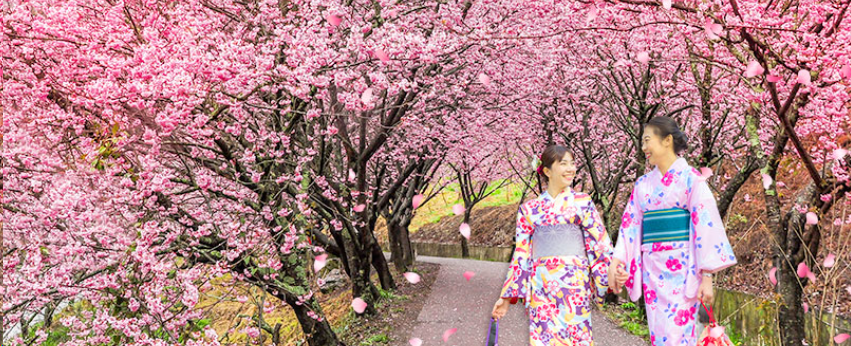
(665, 126)
(552, 154)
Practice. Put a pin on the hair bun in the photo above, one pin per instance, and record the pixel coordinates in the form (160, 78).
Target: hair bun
(666, 126)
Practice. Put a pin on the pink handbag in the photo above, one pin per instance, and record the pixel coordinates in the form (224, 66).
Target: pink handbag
(713, 334)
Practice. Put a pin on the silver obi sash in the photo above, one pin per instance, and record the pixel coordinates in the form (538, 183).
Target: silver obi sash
(558, 240)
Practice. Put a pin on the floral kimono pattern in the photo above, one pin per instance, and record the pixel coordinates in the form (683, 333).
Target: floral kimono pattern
(558, 290)
(668, 273)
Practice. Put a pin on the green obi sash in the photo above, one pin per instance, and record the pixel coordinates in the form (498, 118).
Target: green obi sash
(665, 225)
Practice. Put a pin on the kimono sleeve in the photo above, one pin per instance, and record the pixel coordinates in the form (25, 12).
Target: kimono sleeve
(629, 230)
(598, 247)
(712, 247)
(627, 246)
(517, 281)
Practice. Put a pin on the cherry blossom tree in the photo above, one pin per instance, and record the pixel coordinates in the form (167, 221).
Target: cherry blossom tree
(423, 186)
(478, 177)
(169, 144)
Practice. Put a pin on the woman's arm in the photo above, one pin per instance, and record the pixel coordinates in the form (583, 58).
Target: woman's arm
(599, 249)
(517, 280)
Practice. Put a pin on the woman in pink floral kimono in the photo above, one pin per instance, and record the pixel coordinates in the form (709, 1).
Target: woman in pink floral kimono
(671, 239)
(560, 260)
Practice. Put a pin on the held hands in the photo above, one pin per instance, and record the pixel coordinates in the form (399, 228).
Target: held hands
(500, 308)
(617, 277)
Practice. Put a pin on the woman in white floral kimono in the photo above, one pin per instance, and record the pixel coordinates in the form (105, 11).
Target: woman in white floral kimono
(561, 258)
(671, 239)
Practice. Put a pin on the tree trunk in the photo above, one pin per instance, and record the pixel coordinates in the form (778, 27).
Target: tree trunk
(465, 247)
(610, 298)
(359, 263)
(363, 288)
(345, 250)
(317, 333)
(396, 251)
(794, 249)
(401, 251)
(790, 321)
(790, 314)
(407, 247)
(380, 264)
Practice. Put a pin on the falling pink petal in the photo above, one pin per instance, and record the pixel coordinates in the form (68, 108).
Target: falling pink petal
(412, 277)
(712, 29)
(643, 57)
(747, 197)
(359, 208)
(710, 35)
(666, 4)
(469, 275)
(705, 173)
(449, 333)
(716, 28)
(812, 218)
(319, 262)
(839, 154)
(359, 305)
(848, 288)
(811, 276)
(366, 97)
(352, 175)
(333, 19)
(803, 270)
(841, 338)
(845, 71)
(806, 307)
(380, 54)
(465, 230)
(458, 209)
(592, 14)
(716, 332)
(418, 200)
(766, 181)
(829, 260)
(804, 77)
(484, 79)
(415, 342)
(754, 69)
(772, 275)
(772, 78)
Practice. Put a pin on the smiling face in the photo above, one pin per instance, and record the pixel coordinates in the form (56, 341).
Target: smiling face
(656, 147)
(562, 172)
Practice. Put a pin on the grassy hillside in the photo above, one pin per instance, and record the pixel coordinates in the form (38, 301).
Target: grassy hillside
(441, 205)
